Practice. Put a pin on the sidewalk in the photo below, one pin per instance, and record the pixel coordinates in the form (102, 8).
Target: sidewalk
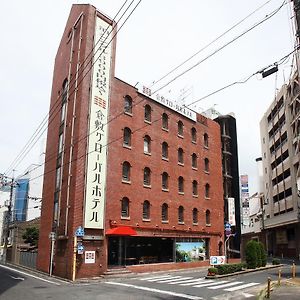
(289, 290)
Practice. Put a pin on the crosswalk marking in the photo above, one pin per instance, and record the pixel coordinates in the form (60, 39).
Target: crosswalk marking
(179, 280)
(209, 284)
(224, 285)
(167, 279)
(155, 277)
(243, 286)
(194, 281)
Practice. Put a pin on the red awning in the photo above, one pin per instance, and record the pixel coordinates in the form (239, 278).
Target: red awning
(122, 230)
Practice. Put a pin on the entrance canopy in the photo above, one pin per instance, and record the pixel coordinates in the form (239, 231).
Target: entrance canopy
(122, 230)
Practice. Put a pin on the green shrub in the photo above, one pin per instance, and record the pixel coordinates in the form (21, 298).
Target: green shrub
(275, 261)
(230, 268)
(212, 270)
(251, 254)
(258, 254)
(263, 254)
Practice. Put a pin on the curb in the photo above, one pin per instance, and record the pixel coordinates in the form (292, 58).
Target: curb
(244, 272)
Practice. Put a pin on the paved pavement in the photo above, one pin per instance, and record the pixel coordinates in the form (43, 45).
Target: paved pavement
(289, 290)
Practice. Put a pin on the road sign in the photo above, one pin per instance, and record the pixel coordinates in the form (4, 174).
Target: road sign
(79, 231)
(80, 248)
(227, 225)
(217, 260)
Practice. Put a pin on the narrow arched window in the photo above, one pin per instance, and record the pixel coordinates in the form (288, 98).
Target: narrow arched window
(180, 128)
(180, 184)
(126, 171)
(64, 99)
(127, 137)
(165, 181)
(164, 212)
(205, 140)
(195, 216)
(206, 165)
(165, 121)
(128, 104)
(207, 191)
(147, 176)
(146, 210)
(195, 188)
(194, 161)
(180, 156)
(147, 144)
(164, 150)
(125, 207)
(194, 135)
(207, 217)
(147, 113)
(180, 214)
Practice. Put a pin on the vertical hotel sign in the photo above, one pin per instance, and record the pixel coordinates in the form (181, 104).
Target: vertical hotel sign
(96, 156)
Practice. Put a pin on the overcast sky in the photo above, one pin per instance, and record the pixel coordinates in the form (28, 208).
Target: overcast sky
(156, 38)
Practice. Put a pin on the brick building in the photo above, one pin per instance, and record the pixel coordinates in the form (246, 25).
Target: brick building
(141, 174)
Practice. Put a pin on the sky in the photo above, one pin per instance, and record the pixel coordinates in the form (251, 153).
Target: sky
(156, 38)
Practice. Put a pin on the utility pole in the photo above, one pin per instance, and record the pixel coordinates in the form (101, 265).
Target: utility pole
(7, 219)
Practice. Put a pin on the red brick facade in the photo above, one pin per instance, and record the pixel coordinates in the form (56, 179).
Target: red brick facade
(75, 46)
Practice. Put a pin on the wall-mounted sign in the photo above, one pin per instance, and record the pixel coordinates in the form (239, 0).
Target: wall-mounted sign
(183, 110)
(90, 257)
(231, 211)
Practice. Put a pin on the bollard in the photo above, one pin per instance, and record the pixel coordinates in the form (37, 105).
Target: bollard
(268, 288)
(293, 270)
(279, 276)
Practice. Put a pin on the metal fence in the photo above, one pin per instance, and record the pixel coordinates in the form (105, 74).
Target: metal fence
(28, 259)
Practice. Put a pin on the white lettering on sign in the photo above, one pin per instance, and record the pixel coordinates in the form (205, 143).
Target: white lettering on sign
(97, 156)
(217, 260)
(169, 103)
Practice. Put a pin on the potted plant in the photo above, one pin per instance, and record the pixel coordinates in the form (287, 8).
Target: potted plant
(212, 271)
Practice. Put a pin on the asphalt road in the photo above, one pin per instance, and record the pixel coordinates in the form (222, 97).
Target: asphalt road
(191, 285)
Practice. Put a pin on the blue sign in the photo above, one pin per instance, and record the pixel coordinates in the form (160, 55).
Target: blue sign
(80, 248)
(79, 231)
(227, 226)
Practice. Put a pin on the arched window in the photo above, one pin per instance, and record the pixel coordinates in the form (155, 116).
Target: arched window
(207, 217)
(194, 135)
(194, 161)
(180, 128)
(207, 190)
(195, 188)
(146, 210)
(180, 184)
(127, 137)
(147, 144)
(180, 156)
(126, 171)
(195, 216)
(164, 212)
(125, 207)
(180, 214)
(64, 100)
(128, 104)
(147, 113)
(205, 140)
(206, 165)
(147, 176)
(165, 121)
(165, 181)
(164, 150)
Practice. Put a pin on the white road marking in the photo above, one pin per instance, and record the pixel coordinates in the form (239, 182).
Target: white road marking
(182, 280)
(194, 281)
(17, 278)
(211, 283)
(243, 286)
(225, 285)
(29, 275)
(155, 277)
(246, 295)
(185, 296)
(159, 279)
(174, 281)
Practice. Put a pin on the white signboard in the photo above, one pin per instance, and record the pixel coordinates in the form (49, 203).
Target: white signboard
(89, 257)
(169, 103)
(99, 103)
(231, 211)
(217, 260)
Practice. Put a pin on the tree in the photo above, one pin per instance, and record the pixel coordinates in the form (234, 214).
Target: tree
(31, 236)
(263, 254)
(258, 254)
(251, 255)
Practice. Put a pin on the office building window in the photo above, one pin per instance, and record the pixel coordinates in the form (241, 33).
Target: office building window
(125, 208)
(147, 144)
(207, 217)
(195, 188)
(181, 214)
(164, 150)
(127, 137)
(164, 212)
(147, 113)
(146, 210)
(126, 171)
(195, 216)
(194, 135)
(147, 176)
(194, 161)
(165, 180)
(180, 184)
(165, 121)
(180, 128)
(128, 104)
